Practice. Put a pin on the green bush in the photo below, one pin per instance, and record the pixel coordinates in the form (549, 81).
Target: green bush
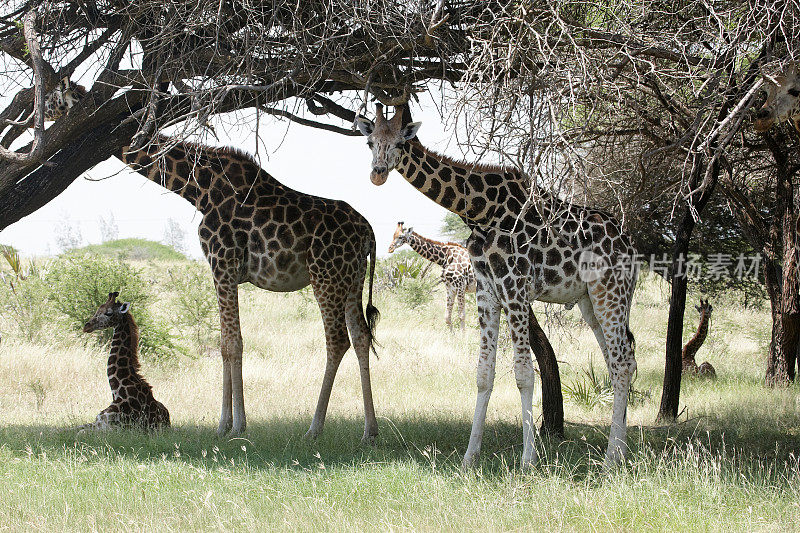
(195, 304)
(133, 249)
(23, 295)
(80, 283)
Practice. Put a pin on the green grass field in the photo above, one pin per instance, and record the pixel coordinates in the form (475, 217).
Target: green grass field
(730, 464)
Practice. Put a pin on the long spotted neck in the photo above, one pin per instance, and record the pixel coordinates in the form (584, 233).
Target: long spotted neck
(694, 344)
(123, 360)
(480, 195)
(171, 168)
(435, 252)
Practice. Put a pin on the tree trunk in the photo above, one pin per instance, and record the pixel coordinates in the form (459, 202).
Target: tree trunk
(786, 302)
(670, 396)
(552, 398)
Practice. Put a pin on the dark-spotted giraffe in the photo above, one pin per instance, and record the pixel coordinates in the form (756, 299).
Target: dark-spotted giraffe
(526, 245)
(694, 344)
(783, 101)
(255, 229)
(457, 274)
(132, 401)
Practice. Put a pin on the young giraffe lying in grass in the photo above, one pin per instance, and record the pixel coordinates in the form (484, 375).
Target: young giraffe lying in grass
(132, 404)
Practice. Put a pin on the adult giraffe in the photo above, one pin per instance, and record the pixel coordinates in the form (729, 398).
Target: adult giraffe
(255, 229)
(526, 245)
(457, 274)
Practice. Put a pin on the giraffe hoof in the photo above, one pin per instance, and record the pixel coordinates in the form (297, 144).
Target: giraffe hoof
(311, 435)
(369, 440)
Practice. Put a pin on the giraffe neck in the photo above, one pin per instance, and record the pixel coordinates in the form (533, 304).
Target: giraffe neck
(694, 344)
(172, 167)
(435, 252)
(123, 360)
(480, 194)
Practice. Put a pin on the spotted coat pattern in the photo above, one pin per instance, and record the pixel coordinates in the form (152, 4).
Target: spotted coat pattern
(457, 274)
(132, 401)
(525, 245)
(689, 365)
(255, 229)
(783, 101)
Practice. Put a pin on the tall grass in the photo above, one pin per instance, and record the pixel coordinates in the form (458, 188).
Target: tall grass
(729, 464)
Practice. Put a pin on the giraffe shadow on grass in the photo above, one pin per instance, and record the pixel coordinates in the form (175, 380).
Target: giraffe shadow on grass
(428, 441)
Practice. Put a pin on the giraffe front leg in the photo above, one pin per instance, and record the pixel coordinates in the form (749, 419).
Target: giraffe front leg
(232, 415)
(461, 312)
(226, 415)
(489, 318)
(448, 313)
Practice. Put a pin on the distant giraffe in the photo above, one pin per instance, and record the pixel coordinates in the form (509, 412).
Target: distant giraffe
(457, 274)
(694, 344)
(526, 245)
(783, 101)
(255, 229)
(132, 404)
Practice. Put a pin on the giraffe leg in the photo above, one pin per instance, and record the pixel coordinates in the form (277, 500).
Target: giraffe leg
(360, 336)
(587, 311)
(489, 318)
(232, 416)
(448, 314)
(332, 308)
(461, 312)
(613, 320)
(518, 321)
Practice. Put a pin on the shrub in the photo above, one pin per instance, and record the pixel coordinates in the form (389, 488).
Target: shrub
(195, 305)
(23, 295)
(81, 283)
(405, 274)
(134, 249)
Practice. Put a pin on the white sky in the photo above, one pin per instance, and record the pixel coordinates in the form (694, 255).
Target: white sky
(310, 160)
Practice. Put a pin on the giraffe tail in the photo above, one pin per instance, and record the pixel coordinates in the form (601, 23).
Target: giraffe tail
(373, 315)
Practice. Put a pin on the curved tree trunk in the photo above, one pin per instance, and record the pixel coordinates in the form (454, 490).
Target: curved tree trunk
(552, 398)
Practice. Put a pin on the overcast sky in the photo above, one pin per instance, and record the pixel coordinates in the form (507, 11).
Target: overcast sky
(310, 160)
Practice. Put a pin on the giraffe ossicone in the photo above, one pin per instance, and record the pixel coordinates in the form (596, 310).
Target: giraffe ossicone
(255, 229)
(132, 401)
(525, 246)
(457, 274)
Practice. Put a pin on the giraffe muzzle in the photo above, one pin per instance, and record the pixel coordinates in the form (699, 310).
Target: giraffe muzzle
(379, 178)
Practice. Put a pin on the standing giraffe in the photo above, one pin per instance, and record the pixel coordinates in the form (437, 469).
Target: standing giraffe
(132, 401)
(525, 245)
(457, 273)
(783, 101)
(689, 365)
(255, 229)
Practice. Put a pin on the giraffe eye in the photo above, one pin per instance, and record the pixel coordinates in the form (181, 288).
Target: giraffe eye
(370, 144)
(109, 312)
(794, 91)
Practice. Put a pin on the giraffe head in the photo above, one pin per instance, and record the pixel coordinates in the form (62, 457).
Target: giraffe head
(704, 308)
(386, 139)
(62, 98)
(108, 315)
(783, 101)
(401, 236)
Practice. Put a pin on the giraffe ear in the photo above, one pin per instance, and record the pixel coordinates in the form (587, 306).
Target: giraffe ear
(124, 308)
(64, 83)
(410, 130)
(365, 126)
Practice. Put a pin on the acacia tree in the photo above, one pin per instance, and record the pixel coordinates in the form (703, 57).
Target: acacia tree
(556, 89)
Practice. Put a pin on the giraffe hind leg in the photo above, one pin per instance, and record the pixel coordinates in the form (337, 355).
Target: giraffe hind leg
(332, 307)
(361, 339)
